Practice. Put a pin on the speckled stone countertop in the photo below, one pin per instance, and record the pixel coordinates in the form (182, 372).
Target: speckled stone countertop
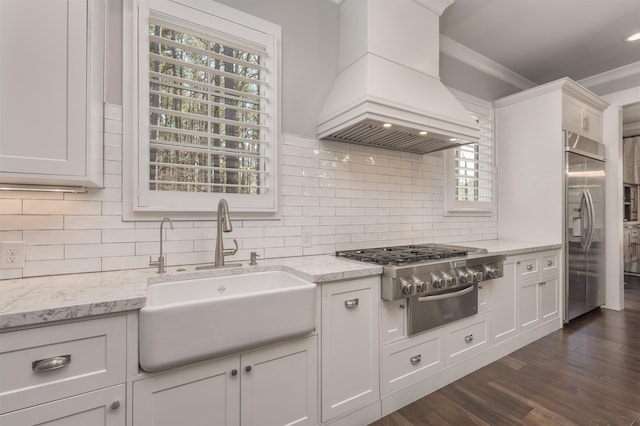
(36, 300)
(30, 301)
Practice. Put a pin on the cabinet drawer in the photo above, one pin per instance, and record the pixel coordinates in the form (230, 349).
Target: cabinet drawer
(466, 338)
(528, 266)
(411, 360)
(88, 355)
(549, 263)
(104, 407)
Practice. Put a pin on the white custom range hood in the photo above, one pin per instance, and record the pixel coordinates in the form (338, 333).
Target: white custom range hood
(388, 93)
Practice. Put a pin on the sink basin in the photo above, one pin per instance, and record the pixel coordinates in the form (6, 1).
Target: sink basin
(189, 320)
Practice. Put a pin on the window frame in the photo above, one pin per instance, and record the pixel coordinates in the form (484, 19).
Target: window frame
(233, 26)
(453, 207)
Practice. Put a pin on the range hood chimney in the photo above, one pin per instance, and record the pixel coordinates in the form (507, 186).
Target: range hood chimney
(388, 93)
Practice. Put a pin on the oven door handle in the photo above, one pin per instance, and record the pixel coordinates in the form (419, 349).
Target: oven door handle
(447, 295)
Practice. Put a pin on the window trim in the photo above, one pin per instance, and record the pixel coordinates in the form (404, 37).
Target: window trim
(141, 204)
(451, 206)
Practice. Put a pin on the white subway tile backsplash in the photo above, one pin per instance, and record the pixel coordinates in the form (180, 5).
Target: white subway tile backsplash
(57, 267)
(11, 207)
(29, 222)
(80, 251)
(50, 252)
(347, 196)
(55, 207)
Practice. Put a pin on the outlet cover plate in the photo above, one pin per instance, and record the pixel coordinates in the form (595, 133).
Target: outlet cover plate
(11, 254)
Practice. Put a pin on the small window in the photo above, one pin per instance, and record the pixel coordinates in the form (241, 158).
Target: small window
(208, 108)
(470, 168)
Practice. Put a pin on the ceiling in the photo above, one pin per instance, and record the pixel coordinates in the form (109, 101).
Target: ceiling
(543, 40)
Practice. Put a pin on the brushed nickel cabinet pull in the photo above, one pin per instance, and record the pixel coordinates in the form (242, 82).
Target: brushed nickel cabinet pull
(529, 267)
(549, 262)
(351, 303)
(49, 364)
(415, 359)
(468, 338)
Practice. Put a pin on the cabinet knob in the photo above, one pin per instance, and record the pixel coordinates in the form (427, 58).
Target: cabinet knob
(468, 338)
(415, 359)
(247, 368)
(234, 372)
(115, 404)
(549, 262)
(351, 303)
(529, 267)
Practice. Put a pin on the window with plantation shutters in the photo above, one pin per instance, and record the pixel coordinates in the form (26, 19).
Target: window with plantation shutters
(469, 168)
(208, 108)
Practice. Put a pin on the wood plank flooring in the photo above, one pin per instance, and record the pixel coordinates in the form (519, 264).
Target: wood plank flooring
(585, 374)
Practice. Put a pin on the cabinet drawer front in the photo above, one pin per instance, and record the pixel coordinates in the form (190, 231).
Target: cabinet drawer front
(528, 266)
(71, 358)
(466, 338)
(104, 407)
(411, 360)
(549, 263)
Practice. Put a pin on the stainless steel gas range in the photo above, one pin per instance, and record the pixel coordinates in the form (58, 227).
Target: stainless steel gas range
(439, 281)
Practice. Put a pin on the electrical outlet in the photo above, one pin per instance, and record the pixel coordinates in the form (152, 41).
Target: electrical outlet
(11, 254)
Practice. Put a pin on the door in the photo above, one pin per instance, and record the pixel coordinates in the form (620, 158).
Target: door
(577, 226)
(280, 384)
(595, 250)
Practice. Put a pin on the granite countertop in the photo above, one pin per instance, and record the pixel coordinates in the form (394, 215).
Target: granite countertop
(30, 301)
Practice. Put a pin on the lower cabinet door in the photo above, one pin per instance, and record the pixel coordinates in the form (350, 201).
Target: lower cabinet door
(280, 384)
(99, 408)
(350, 346)
(200, 395)
(549, 298)
(528, 304)
(504, 320)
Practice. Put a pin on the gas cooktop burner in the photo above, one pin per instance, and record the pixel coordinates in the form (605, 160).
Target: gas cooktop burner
(404, 255)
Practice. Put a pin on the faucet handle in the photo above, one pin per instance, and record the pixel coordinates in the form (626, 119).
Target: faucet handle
(231, 252)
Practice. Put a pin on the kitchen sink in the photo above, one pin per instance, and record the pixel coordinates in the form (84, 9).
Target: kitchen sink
(190, 320)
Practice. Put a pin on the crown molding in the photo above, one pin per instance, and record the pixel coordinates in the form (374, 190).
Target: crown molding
(472, 58)
(612, 75)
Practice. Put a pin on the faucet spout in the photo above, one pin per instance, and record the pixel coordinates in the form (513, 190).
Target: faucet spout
(223, 225)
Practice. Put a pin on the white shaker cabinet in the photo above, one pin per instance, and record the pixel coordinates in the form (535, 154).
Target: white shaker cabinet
(64, 374)
(51, 108)
(504, 321)
(275, 385)
(350, 346)
(538, 289)
(581, 118)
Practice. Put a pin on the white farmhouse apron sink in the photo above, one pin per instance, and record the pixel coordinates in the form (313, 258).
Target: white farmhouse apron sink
(190, 320)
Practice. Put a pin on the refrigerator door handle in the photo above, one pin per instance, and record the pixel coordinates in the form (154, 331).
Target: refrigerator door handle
(591, 222)
(584, 222)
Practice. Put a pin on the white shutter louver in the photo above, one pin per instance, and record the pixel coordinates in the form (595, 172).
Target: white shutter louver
(206, 113)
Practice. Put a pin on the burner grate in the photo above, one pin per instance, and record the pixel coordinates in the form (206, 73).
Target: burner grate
(403, 255)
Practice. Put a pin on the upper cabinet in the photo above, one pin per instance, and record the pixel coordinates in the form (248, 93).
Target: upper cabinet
(51, 107)
(579, 116)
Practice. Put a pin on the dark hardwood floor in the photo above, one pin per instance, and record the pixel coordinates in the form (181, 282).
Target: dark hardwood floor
(587, 373)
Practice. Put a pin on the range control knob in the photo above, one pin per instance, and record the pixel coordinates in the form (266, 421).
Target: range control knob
(449, 280)
(407, 287)
(490, 271)
(466, 277)
(420, 285)
(478, 275)
(437, 281)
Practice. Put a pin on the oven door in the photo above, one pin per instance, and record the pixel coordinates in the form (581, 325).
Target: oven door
(427, 312)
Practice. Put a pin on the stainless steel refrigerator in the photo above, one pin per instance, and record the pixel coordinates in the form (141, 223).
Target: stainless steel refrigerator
(585, 225)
